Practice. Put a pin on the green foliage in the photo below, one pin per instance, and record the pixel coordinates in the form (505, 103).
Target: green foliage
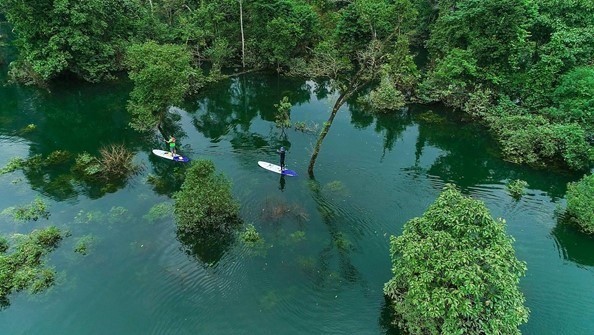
(205, 201)
(161, 74)
(533, 140)
(84, 244)
(115, 163)
(580, 203)
(57, 157)
(385, 97)
(14, 164)
(517, 188)
(455, 271)
(283, 116)
(250, 237)
(32, 212)
(58, 37)
(23, 268)
(575, 97)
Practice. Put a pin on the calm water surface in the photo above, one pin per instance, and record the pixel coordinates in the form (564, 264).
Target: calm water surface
(326, 253)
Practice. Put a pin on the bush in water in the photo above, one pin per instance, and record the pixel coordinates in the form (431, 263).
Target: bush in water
(455, 272)
(205, 201)
(580, 203)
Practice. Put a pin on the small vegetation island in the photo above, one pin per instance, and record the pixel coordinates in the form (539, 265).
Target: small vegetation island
(523, 70)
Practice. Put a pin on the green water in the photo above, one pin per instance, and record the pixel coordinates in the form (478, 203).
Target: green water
(325, 257)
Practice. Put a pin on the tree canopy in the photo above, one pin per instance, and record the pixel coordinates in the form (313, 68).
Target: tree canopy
(455, 271)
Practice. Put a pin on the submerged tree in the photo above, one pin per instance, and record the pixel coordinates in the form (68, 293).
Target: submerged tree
(205, 201)
(21, 265)
(455, 271)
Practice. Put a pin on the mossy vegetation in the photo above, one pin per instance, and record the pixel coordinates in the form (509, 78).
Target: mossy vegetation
(34, 211)
(21, 262)
(580, 203)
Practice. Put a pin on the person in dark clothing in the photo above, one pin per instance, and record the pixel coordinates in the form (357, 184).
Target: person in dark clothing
(281, 152)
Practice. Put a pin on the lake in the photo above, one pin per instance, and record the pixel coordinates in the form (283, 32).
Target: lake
(325, 256)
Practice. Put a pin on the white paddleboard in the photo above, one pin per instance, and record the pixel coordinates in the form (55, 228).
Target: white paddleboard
(277, 169)
(167, 155)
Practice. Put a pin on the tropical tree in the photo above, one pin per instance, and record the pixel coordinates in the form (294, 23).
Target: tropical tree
(161, 76)
(580, 203)
(85, 38)
(455, 271)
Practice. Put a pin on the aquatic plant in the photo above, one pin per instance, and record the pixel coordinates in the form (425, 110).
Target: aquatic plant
(580, 203)
(305, 128)
(118, 214)
(205, 201)
(297, 236)
(87, 165)
(89, 217)
(455, 271)
(116, 162)
(32, 212)
(23, 268)
(250, 235)
(275, 209)
(28, 128)
(159, 212)
(517, 188)
(14, 164)
(57, 157)
(84, 244)
(283, 117)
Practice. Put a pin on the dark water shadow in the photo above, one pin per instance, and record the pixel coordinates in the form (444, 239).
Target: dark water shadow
(208, 247)
(573, 245)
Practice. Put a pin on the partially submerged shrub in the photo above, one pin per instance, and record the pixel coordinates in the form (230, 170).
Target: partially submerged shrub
(517, 188)
(580, 203)
(114, 163)
(23, 268)
(250, 236)
(58, 157)
(205, 201)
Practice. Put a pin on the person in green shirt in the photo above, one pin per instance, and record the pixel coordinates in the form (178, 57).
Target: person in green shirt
(171, 142)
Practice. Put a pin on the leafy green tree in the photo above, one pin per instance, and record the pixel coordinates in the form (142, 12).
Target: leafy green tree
(580, 203)
(455, 271)
(69, 36)
(161, 76)
(575, 97)
(205, 201)
(283, 116)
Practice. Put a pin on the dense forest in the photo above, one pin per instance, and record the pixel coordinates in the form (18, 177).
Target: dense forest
(522, 68)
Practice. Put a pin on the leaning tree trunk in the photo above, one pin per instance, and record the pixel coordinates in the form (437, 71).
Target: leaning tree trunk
(326, 128)
(324, 132)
